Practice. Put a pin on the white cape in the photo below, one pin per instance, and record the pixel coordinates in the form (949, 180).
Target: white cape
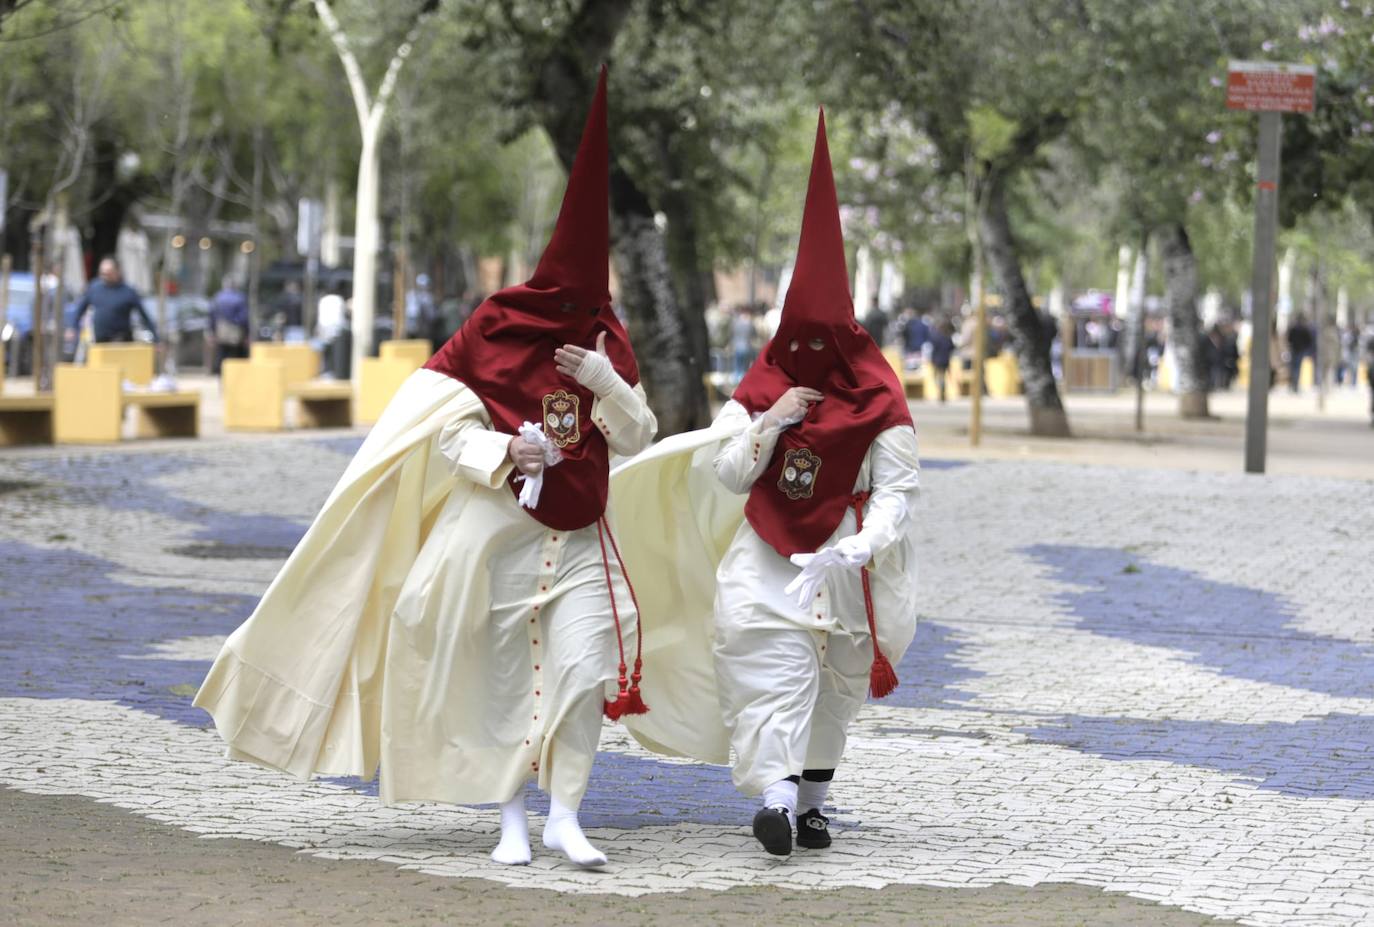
(675, 521)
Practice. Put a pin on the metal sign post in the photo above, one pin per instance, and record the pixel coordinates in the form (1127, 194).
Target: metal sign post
(980, 353)
(1261, 290)
(1270, 89)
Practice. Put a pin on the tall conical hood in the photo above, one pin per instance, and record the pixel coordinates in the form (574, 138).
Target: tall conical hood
(505, 351)
(820, 283)
(801, 497)
(577, 257)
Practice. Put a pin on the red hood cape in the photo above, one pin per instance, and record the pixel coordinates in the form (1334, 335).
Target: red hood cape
(504, 352)
(798, 502)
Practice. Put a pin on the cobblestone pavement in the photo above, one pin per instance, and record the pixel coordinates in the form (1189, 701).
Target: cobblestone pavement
(1134, 694)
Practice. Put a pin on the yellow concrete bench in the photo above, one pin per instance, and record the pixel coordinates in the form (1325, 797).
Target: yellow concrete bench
(89, 405)
(26, 419)
(170, 414)
(912, 381)
(256, 394)
(380, 377)
(133, 360)
(302, 362)
(1002, 375)
(378, 380)
(412, 349)
(322, 403)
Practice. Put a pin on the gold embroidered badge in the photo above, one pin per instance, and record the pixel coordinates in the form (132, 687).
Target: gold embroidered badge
(560, 418)
(800, 468)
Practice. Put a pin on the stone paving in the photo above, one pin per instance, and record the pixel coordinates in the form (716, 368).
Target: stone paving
(1153, 683)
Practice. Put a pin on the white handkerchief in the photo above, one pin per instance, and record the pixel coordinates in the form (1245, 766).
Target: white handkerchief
(529, 493)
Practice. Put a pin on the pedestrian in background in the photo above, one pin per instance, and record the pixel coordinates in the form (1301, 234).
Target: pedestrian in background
(229, 327)
(1300, 344)
(941, 351)
(1369, 366)
(115, 303)
(914, 333)
(742, 340)
(1230, 354)
(287, 312)
(875, 323)
(330, 316)
(1350, 356)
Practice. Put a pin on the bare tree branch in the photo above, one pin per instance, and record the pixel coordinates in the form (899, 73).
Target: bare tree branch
(356, 84)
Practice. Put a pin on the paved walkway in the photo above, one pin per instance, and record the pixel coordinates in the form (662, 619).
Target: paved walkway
(1137, 696)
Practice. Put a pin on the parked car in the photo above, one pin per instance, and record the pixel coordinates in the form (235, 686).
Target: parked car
(187, 323)
(17, 332)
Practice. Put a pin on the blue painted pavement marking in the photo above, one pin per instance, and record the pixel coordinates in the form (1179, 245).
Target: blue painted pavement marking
(66, 629)
(1327, 757)
(1240, 632)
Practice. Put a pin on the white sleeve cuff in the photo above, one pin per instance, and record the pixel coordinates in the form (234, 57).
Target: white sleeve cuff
(484, 458)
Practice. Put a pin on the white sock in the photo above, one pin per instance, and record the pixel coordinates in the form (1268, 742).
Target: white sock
(562, 832)
(782, 794)
(811, 795)
(514, 848)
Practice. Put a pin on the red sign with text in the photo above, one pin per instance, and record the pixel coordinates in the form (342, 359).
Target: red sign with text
(1266, 86)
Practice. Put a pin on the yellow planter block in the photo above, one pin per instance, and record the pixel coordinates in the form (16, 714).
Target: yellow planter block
(134, 361)
(378, 380)
(302, 362)
(1002, 375)
(1364, 375)
(88, 404)
(1307, 374)
(412, 349)
(254, 394)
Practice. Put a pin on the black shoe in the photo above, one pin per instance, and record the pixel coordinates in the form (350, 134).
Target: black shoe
(813, 830)
(774, 831)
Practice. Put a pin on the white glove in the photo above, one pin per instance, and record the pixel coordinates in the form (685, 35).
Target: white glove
(529, 493)
(855, 550)
(846, 554)
(597, 373)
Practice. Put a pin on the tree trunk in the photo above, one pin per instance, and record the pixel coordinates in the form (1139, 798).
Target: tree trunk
(365, 247)
(694, 286)
(1185, 328)
(660, 327)
(1031, 337)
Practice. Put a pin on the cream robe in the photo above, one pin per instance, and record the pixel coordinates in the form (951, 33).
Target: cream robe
(427, 625)
(688, 530)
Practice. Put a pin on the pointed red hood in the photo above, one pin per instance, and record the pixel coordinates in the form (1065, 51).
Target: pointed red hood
(504, 352)
(818, 305)
(820, 345)
(576, 260)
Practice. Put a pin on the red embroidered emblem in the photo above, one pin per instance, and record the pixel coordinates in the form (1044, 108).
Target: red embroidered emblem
(561, 418)
(800, 468)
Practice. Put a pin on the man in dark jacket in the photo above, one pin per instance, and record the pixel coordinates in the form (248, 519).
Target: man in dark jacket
(1301, 342)
(114, 302)
(229, 323)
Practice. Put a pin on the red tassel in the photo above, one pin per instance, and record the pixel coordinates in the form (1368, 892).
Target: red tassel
(882, 679)
(616, 707)
(634, 703)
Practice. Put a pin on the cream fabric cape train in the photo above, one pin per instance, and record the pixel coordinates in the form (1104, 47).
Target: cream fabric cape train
(298, 686)
(675, 523)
